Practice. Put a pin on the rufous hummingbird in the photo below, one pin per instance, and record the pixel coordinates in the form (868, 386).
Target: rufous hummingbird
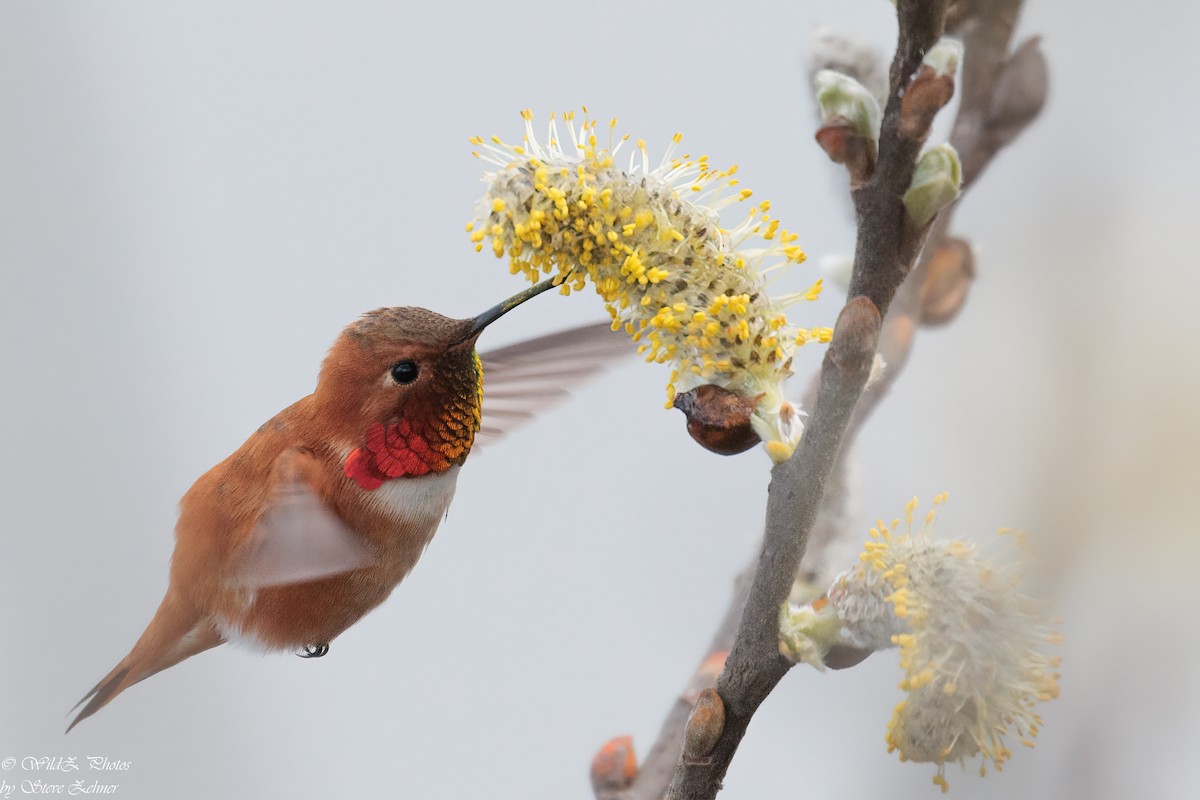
(321, 513)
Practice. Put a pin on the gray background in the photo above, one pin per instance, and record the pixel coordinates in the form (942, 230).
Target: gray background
(195, 198)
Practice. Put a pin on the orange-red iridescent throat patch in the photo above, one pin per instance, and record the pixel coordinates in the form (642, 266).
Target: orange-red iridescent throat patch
(435, 433)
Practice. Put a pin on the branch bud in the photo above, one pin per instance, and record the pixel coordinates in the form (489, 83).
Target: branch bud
(840, 97)
(855, 335)
(944, 56)
(846, 146)
(948, 277)
(704, 726)
(935, 184)
(614, 766)
(1020, 92)
(930, 90)
(850, 123)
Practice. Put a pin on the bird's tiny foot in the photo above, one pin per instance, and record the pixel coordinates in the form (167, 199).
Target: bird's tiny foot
(314, 650)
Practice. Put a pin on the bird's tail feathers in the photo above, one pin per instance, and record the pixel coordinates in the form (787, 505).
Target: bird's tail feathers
(176, 632)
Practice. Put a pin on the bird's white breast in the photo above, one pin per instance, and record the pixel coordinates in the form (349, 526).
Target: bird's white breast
(420, 501)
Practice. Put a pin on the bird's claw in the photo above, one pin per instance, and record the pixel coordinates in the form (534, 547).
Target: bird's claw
(314, 650)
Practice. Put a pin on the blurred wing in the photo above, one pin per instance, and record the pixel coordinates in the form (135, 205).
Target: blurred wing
(525, 378)
(298, 538)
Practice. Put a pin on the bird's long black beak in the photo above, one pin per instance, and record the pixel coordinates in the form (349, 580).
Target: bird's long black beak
(496, 312)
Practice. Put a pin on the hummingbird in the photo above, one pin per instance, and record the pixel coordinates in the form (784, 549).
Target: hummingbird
(322, 512)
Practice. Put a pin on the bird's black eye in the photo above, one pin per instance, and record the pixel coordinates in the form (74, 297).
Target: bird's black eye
(405, 371)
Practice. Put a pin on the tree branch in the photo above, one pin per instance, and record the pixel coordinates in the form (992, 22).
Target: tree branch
(1000, 96)
(754, 665)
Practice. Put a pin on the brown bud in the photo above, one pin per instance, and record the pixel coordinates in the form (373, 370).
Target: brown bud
(855, 335)
(948, 276)
(842, 142)
(614, 766)
(705, 676)
(926, 95)
(704, 726)
(1020, 92)
(719, 419)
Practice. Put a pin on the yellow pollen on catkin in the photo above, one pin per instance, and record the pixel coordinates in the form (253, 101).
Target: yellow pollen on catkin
(970, 643)
(649, 238)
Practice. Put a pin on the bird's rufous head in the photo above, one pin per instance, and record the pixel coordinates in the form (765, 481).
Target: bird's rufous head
(405, 387)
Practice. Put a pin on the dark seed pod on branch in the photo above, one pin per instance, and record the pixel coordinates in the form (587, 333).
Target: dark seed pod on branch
(719, 419)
